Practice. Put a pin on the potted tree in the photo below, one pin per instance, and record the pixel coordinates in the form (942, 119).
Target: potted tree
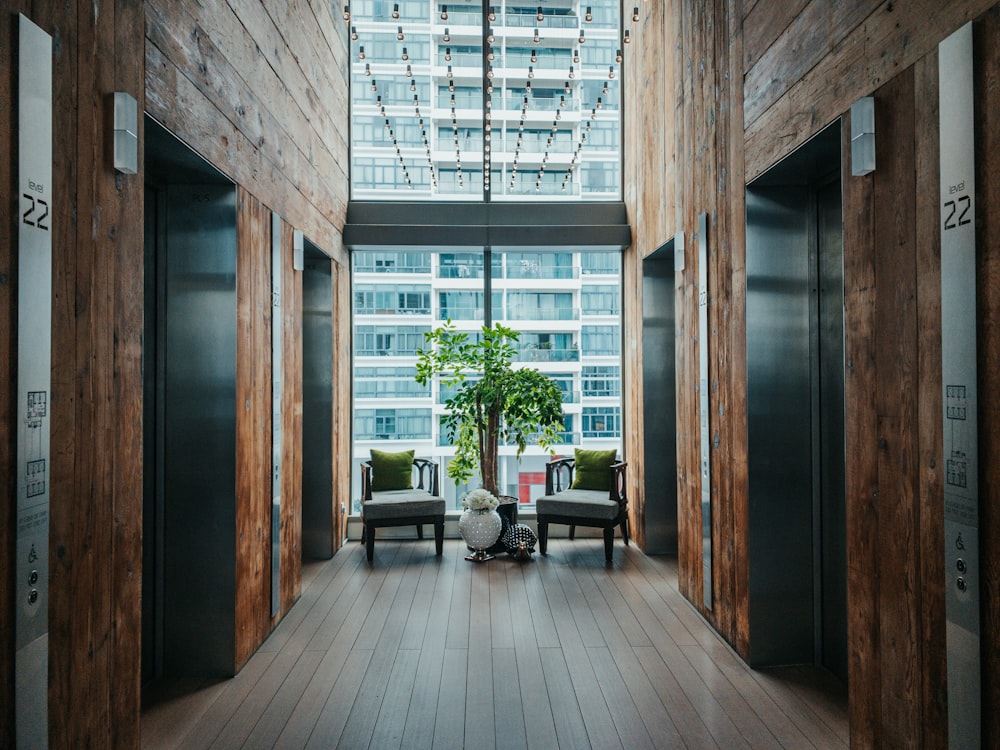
(493, 401)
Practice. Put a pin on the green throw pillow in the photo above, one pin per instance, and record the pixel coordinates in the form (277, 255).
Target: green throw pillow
(592, 469)
(392, 471)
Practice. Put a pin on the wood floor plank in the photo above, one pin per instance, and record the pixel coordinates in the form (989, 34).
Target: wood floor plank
(571, 731)
(391, 722)
(449, 726)
(333, 718)
(566, 651)
(508, 721)
(682, 713)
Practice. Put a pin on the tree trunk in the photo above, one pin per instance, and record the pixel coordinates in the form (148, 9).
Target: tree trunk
(489, 454)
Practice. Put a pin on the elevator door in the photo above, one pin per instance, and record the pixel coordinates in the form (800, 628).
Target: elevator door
(795, 411)
(318, 516)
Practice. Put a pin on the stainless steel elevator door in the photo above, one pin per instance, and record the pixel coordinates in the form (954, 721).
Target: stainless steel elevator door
(317, 406)
(832, 447)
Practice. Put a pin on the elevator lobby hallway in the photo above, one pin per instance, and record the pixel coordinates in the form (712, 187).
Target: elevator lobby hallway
(420, 652)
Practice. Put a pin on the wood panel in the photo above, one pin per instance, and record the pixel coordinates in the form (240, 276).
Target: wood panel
(342, 417)
(95, 500)
(986, 40)
(253, 425)
(224, 92)
(291, 425)
(930, 428)
(886, 42)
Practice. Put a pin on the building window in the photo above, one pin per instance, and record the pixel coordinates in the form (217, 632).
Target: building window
(601, 381)
(601, 422)
(601, 341)
(392, 424)
(392, 300)
(600, 300)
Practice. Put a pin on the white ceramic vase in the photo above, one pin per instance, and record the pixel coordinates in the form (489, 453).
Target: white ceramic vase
(480, 529)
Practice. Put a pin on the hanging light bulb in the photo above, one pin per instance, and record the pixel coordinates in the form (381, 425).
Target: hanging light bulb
(489, 88)
(406, 55)
(531, 72)
(354, 33)
(399, 33)
(576, 57)
(447, 37)
(347, 12)
(409, 72)
(489, 36)
(540, 16)
(447, 54)
(627, 38)
(536, 38)
(600, 102)
(635, 15)
(604, 90)
(593, 114)
(450, 76)
(492, 15)
(490, 55)
(618, 56)
(611, 72)
(395, 11)
(413, 85)
(562, 102)
(444, 12)
(572, 75)
(534, 57)
(566, 87)
(361, 52)
(589, 16)
(581, 38)
(489, 72)
(368, 69)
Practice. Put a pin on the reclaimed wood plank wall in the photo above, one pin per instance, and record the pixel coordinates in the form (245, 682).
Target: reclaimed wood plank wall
(260, 91)
(753, 81)
(96, 406)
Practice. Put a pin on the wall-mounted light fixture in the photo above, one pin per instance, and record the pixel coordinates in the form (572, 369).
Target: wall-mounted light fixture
(126, 126)
(863, 136)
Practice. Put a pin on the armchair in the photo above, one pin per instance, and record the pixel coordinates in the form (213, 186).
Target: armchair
(413, 506)
(599, 508)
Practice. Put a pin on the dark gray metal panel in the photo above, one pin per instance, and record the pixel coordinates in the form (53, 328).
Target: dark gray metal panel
(779, 406)
(317, 405)
(832, 432)
(199, 412)
(659, 402)
(487, 225)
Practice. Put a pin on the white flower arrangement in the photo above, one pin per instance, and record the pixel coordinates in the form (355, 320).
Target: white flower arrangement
(480, 500)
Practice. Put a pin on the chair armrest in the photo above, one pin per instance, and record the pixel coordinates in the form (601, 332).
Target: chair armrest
(366, 482)
(618, 486)
(554, 472)
(430, 468)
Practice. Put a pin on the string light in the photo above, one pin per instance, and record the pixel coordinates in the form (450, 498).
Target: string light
(590, 16)
(354, 33)
(635, 15)
(627, 37)
(361, 52)
(540, 16)
(406, 55)
(447, 37)
(395, 11)
(347, 12)
(581, 39)
(399, 33)
(444, 12)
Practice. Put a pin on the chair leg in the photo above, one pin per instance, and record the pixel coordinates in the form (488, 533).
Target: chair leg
(609, 543)
(439, 537)
(543, 536)
(572, 533)
(364, 531)
(625, 530)
(370, 544)
(420, 531)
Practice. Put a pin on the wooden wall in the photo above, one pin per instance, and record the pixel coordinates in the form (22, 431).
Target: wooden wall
(748, 82)
(260, 91)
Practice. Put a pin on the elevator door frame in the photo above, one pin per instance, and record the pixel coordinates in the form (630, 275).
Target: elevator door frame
(788, 544)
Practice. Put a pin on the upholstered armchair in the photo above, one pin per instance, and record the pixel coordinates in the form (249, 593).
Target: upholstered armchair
(587, 490)
(389, 496)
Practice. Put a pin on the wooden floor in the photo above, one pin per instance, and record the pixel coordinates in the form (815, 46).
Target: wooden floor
(560, 652)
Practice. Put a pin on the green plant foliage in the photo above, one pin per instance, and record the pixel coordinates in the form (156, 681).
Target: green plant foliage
(494, 400)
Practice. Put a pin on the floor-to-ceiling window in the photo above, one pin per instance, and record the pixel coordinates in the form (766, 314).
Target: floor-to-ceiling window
(565, 306)
(511, 102)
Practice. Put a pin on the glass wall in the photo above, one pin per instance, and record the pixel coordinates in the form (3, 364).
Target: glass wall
(536, 114)
(566, 306)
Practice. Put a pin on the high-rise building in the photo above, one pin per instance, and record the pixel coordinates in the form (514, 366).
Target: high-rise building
(449, 102)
